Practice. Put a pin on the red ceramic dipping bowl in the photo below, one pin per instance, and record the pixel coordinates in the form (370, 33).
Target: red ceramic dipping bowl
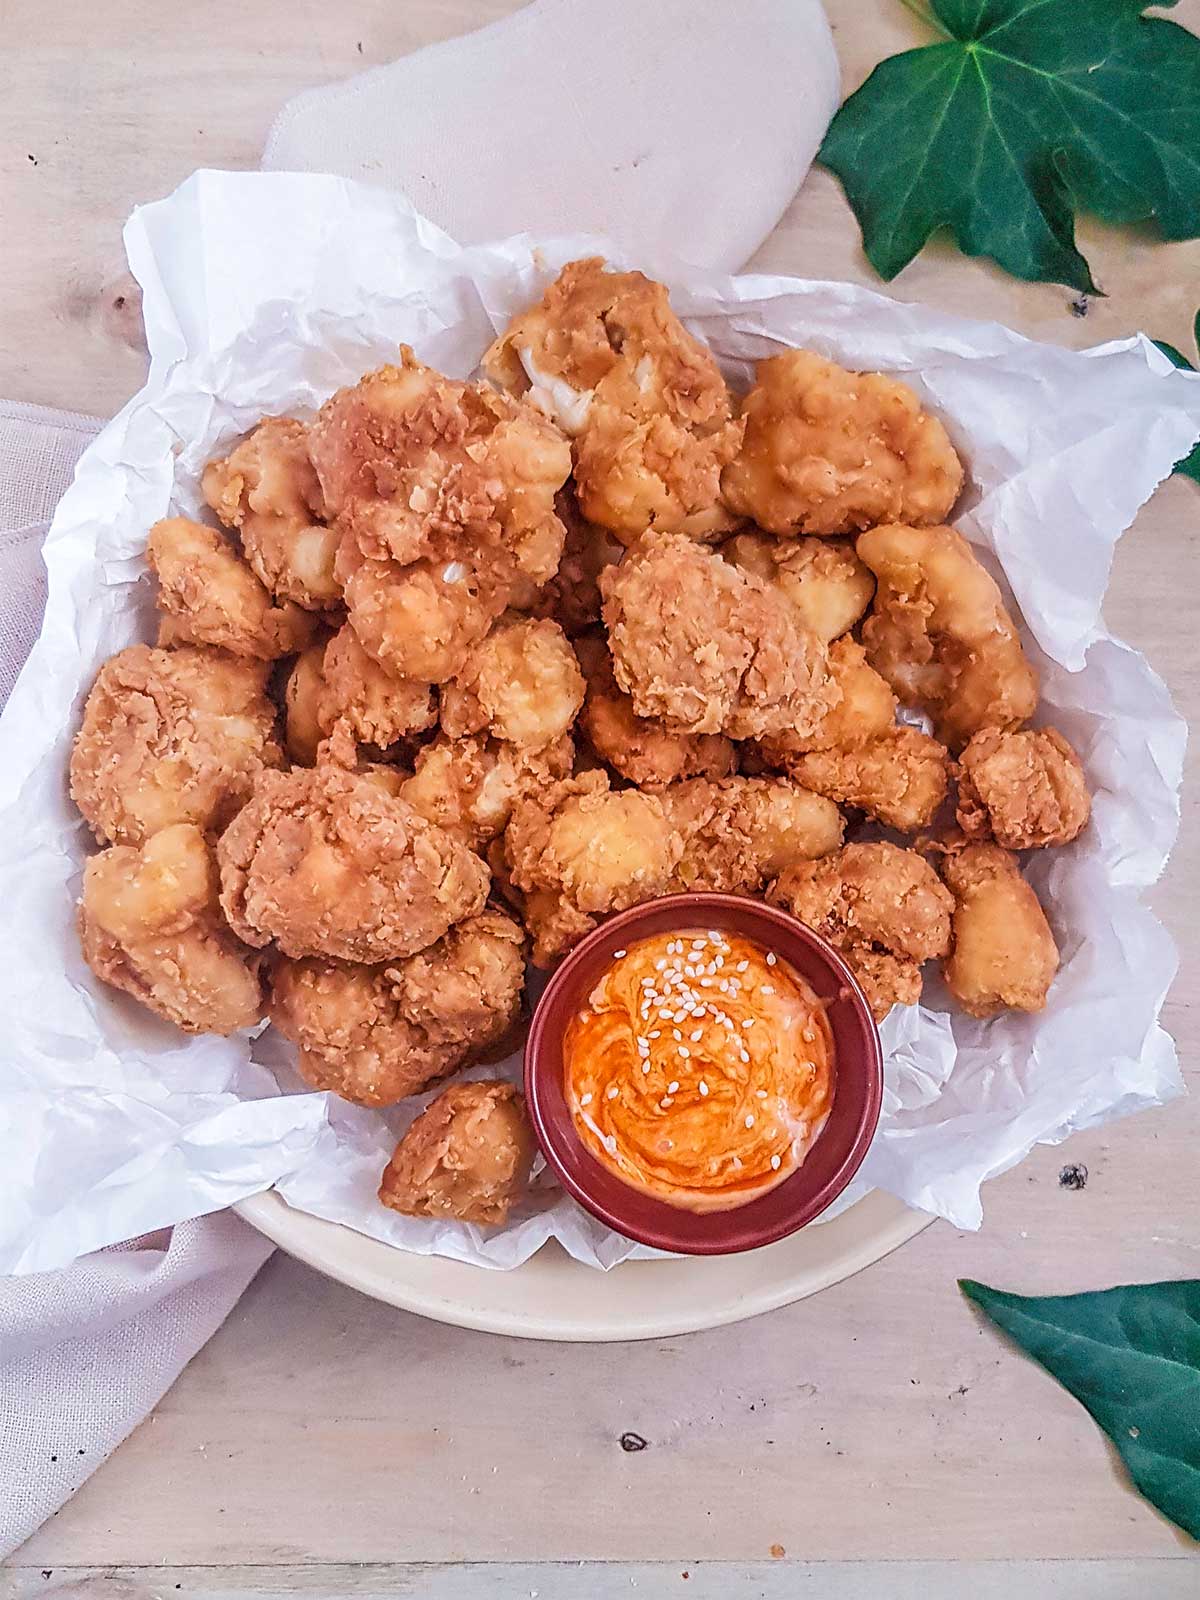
(835, 1154)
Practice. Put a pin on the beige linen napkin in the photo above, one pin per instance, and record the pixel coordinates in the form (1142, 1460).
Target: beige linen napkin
(673, 125)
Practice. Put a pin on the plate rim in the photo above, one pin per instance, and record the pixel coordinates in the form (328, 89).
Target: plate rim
(465, 1295)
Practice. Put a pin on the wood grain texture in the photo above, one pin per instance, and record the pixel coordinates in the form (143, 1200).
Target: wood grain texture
(877, 1422)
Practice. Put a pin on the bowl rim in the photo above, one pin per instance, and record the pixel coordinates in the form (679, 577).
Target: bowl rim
(699, 907)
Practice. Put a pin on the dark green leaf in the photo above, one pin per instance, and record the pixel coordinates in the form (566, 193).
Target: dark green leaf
(1029, 110)
(1189, 467)
(1132, 1357)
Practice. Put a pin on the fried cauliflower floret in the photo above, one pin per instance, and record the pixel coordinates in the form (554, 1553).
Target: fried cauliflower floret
(150, 924)
(940, 634)
(572, 596)
(883, 907)
(267, 488)
(865, 710)
(641, 749)
(708, 648)
(739, 833)
(593, 849)
(470, 786)
(467, 1156)
(327, 863)
(301, 704)
(1022, 789)
(210, 595)
(443, 495)
(522, 684)
(376, 1034)
(607, 358)
(377, 707)
(171, 736)
(822, 579)
(900, 778)
(829, 451)
(1004, 954)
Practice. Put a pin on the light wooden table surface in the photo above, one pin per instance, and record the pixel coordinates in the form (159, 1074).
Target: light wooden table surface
(323, 1444)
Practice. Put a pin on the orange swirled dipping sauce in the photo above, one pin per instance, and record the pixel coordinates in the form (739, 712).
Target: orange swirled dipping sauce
(701, 1070)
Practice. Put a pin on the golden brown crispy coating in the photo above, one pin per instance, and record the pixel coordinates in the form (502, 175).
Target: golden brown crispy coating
(572, 596)
(469, 786)
(864, 710)
(940, 634)
(443, 496)
(1004, 953)
(1024, 790)
(171, 736)
(377, 707)
(150, 924)
(739, 833)
(883, 907)
(579, 850)
(522, 684)
(823, 579)
(376, 1034)
(267, 488)
(829, 451)
(900, 778)
(467, 1156)
(641, 749)
(709, 648)
(210, 595)
(327, 863)
(604, 354)
(301, 705)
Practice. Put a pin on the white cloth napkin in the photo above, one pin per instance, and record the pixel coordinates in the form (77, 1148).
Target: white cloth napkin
(684, 125)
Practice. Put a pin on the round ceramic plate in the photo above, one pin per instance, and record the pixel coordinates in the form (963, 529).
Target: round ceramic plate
(553, 1297)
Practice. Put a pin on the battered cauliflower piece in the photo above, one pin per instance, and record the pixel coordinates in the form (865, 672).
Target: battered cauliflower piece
(580, 850)
(376, 1034)
(1022, 789)
(267, 488)
(1004, 953)
(210, 595)
(327, 863)
(823, 580)
(150, 924)
(375, 706)
(443, 495)
(864, 711)
(829, 451)
(940, 634)
(639, 748)
(523, 684)
(607, 358)
(171, 736)
(467, 1157)
(709, 648)
(900, 779)
(882, 907)
(301, 705)
(742, 832)
(470, 786)
(572, 596)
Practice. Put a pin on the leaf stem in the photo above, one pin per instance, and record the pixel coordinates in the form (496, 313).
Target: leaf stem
(920, 10)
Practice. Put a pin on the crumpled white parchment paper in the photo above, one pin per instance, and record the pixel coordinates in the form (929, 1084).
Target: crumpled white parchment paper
(263, 293)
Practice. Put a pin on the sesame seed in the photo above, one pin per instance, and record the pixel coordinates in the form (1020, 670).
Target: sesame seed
(617, 954)
(655, 1033)
(749, 1119)
(715, 937)
(775, 1163)
(741, 966)
(761, 1093)
(703, 1087)
(768, 988)
(660, 964)
(684, 1052)
(698, 944)
(665, 1014)
(772, 958)
(696, 1036)
(610, 1144)
(676, 1035)
(673, 1086)
(737, 1163)
(666, 1101)
(747, 1022)
(679, 1016)
(646, 1068)
(611, 1092)
(585, 1099)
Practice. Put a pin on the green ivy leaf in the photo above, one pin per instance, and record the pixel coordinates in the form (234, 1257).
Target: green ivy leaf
(1132, 1357)
(1029, 110)
(1189, 467)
